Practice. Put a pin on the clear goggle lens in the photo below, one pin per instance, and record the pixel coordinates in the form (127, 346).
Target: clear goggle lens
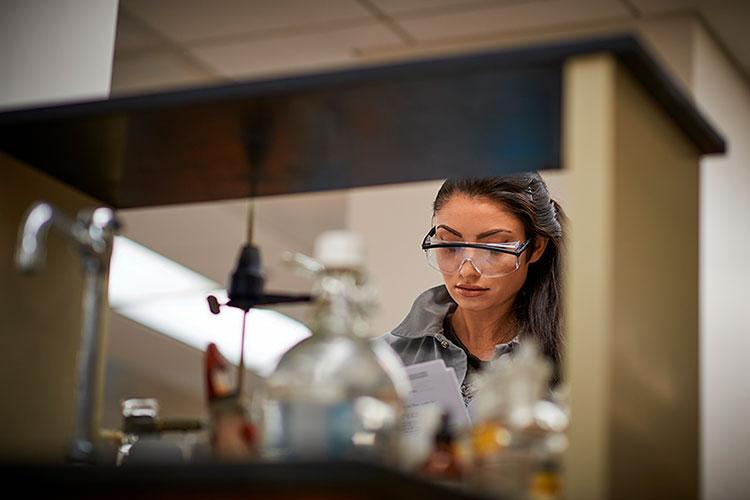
(489, 263)
(491, 260)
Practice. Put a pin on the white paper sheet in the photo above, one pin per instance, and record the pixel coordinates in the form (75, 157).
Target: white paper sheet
(434, 385)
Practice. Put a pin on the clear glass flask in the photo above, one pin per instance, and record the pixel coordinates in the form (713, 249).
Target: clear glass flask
(331, 397)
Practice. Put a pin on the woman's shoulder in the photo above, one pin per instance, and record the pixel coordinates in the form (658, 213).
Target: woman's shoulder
(426, 315)
(410, 350)
(399, 343)
(416, 337)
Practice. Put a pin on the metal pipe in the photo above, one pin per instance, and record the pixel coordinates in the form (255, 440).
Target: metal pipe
(87, 367)
(93, 234)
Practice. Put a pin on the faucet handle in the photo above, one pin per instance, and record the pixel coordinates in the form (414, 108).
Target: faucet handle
(103, 218)
(99, 227)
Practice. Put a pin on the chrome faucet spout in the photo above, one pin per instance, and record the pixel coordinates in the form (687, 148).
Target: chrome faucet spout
(93, 234)
(32, 238)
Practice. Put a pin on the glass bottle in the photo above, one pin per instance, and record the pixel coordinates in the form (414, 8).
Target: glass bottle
(331, 397)
(443, 463)
(514, 425)
(147, 439)
(139, 416)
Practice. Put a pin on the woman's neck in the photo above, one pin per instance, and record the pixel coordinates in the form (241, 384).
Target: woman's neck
(481, 331)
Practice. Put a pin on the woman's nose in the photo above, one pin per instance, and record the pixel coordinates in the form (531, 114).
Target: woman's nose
(468, 270)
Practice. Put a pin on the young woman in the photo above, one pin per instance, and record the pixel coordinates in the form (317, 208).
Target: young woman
(497, 243)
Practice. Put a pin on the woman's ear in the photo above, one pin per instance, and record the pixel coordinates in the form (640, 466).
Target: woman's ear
(540, 245)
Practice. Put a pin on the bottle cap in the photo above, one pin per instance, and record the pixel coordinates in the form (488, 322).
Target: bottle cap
(340, 249)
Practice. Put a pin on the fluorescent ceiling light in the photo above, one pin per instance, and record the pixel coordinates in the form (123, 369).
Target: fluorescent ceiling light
(169, 298)
(138, 274)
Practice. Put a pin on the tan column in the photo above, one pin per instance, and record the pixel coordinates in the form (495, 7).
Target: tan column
(632, 290)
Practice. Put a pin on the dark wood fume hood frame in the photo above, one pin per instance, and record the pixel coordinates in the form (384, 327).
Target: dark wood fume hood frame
(486, 114)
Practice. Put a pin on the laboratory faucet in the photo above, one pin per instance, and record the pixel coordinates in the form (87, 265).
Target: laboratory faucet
(92, 233)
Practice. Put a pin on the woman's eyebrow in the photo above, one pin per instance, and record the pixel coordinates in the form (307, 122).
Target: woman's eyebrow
(492, 232)
(485, 234)
(450, 230)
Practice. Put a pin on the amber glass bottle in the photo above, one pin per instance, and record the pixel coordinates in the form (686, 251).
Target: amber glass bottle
(443, 462)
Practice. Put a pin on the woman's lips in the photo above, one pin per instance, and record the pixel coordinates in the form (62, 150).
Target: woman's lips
(470, 291)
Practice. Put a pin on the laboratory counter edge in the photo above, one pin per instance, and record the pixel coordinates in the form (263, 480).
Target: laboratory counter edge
(262, 480)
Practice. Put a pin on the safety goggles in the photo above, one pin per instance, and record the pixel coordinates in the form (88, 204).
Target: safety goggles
(491, 260)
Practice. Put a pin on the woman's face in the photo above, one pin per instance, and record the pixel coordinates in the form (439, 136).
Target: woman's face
(481, 220)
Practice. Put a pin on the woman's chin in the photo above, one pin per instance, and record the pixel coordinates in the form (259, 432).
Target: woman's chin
(475, 305)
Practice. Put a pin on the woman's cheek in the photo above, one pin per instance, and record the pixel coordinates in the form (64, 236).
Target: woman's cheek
(449, 280)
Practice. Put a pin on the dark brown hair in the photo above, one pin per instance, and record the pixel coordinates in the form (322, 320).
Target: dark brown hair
(538, 304)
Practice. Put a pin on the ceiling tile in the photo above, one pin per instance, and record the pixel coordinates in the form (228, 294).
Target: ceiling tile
(130, 36)
(294, 53)
(513, 18)
(155, 71)
(729, 20)
(190, 20)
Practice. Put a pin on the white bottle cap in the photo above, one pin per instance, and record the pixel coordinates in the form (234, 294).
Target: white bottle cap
(340, 249)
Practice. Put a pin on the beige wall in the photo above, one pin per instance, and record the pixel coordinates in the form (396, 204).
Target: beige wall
(720, 91)
(725, 273)
(143, 364)
(393, 220)
(48, 51)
